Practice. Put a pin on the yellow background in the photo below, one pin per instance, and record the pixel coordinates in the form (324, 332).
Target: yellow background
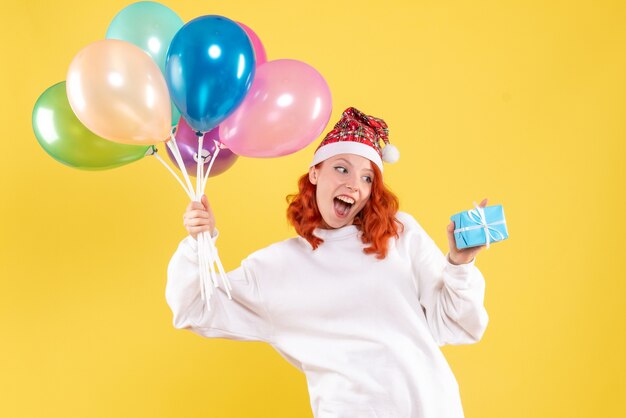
(522, 102)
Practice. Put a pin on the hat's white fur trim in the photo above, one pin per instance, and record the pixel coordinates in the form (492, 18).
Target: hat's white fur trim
(347, 147)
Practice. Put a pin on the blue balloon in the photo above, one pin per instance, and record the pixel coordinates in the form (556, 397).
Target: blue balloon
(209, 70)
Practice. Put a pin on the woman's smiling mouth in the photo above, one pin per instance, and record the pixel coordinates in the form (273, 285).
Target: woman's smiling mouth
(342, 205)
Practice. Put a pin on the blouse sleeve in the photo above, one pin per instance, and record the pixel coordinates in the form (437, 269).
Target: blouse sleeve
(452, 296)
(244, 318)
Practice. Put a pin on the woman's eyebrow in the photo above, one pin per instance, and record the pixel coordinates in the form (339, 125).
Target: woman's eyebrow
(344, 160)
(369, 170)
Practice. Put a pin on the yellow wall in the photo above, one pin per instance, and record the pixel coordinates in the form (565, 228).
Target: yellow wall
(522, 102)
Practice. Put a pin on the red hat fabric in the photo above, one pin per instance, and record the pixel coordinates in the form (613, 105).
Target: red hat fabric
(360, 134)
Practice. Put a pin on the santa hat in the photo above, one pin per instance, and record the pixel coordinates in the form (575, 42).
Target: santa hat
(360, 134)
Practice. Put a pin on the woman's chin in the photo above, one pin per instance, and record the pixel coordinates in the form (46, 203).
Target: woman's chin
(338, 221)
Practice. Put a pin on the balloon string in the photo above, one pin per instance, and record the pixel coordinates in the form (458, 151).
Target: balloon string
(223, 275)
(199, 165)
(171, 144)
(206, 239)
(213, 158)
(216, 259)
(203, 254)
(209, 247)
(179, 160)
(203, 257)
(204, 263)
(202, 249)
(203, 289)
(211, 251)
(158, 157)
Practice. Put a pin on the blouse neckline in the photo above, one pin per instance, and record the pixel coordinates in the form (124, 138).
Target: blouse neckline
(336, 233)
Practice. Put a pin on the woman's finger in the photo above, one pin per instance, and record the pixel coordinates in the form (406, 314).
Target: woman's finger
(450, 230)
(197, 221)
(483, 203)
(197, 214)
(195, 230)
(195, 205)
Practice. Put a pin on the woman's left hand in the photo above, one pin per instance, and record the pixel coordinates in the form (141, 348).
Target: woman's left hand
(464, 255)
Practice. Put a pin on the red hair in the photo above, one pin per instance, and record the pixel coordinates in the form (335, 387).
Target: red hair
(377, 220)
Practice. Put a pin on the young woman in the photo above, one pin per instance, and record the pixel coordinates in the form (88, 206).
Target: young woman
(359, 301)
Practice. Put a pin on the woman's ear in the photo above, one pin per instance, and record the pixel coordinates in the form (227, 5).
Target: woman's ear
(313, 175)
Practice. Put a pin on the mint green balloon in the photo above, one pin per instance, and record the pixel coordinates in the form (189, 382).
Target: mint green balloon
(67, 140)
(150, 26)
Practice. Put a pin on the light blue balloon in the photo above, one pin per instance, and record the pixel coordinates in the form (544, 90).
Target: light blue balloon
(209, 70)
(150, 26)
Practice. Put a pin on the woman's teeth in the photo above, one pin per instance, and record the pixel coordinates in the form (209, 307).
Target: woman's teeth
(346, 199)
(342, 205)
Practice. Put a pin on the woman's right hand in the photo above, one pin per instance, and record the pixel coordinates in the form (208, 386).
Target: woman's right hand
(199, 218)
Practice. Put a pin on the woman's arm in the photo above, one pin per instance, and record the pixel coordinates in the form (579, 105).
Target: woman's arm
(243, 318)
(452, 296)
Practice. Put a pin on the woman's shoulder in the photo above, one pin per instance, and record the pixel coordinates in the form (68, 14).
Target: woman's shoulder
(412, 233)
(408, 221)
(277, 251)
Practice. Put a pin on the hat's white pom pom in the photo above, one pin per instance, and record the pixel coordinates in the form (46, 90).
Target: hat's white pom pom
(390, 154)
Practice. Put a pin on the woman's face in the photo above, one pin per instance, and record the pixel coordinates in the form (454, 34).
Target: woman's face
(344, 184)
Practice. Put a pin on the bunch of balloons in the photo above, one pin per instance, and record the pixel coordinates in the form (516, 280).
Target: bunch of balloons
(203, 88)
(124, 94)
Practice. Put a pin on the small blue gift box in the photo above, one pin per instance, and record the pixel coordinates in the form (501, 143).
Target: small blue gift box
(479, 226)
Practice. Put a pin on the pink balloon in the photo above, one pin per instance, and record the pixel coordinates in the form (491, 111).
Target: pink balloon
(259, 50)
(287, 107)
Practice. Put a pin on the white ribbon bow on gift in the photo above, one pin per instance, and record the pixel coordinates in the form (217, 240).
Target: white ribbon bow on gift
(478, 216)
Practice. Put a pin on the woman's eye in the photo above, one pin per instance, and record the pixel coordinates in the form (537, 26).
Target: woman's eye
(368, 179)
(341, 169)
